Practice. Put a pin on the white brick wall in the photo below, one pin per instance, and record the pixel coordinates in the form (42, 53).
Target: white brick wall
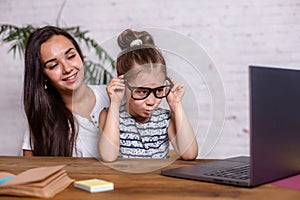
(234, 34)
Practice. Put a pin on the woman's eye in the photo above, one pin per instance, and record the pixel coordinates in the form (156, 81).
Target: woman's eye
(52, 66)
(71, 56)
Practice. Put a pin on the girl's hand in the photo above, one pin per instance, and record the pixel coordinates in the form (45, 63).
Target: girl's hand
(115, 89)
(175, 96)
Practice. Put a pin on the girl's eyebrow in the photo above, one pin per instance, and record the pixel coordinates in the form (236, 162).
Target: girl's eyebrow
(53, 59)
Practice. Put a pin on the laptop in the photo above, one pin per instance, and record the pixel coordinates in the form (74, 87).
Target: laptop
(274, 134)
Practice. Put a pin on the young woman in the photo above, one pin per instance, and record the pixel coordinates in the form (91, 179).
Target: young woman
(138, 128)
(62, 111)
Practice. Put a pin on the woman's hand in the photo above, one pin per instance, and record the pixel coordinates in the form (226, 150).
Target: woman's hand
(115, 89)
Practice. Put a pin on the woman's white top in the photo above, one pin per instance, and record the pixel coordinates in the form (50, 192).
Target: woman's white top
(88, 133)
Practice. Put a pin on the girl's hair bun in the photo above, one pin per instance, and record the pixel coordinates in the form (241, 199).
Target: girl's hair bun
(129, 38)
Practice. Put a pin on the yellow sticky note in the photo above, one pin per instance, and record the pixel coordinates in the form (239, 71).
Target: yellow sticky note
(94, 185)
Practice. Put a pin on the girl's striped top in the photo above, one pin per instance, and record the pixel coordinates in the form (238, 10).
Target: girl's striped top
(144, 140)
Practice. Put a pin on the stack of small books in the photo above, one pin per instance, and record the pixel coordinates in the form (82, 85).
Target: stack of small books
(44, 182)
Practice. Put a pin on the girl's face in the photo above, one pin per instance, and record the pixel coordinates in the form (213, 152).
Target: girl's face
(141, 110)
(63, 66)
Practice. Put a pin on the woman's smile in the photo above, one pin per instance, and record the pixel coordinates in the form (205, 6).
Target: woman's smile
(72, 78)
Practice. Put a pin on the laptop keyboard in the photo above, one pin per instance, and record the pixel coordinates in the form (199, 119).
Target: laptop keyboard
(240, 172)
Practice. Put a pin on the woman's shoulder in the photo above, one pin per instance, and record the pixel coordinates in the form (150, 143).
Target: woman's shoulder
(102, 99)
(101, 88)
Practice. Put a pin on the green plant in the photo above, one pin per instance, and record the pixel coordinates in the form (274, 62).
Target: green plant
(95, 71)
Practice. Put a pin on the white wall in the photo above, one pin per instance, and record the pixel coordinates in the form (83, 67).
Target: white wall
(233, 33)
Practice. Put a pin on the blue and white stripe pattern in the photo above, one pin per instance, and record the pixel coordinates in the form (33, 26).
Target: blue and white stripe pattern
(144, 140)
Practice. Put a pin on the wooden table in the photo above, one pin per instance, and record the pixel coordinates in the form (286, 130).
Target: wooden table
(150, 185)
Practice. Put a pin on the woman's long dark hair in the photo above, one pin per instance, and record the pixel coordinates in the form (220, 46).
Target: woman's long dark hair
(52, 127)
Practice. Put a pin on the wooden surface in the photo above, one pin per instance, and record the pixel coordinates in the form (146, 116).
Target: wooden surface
(149, 185)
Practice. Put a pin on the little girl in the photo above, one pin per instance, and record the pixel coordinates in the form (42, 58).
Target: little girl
(138, 128)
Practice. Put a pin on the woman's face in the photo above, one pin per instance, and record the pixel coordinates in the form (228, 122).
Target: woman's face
(63, 66)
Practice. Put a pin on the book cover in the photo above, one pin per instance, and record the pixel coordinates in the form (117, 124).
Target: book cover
(94, 185)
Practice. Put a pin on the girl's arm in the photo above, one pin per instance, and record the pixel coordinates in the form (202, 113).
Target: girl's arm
(109, 141)
(180, 130)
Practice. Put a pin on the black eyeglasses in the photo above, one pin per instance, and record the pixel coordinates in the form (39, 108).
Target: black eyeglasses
(140, 93)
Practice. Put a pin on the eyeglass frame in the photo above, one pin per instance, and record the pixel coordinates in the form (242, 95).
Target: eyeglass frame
(151, 90)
